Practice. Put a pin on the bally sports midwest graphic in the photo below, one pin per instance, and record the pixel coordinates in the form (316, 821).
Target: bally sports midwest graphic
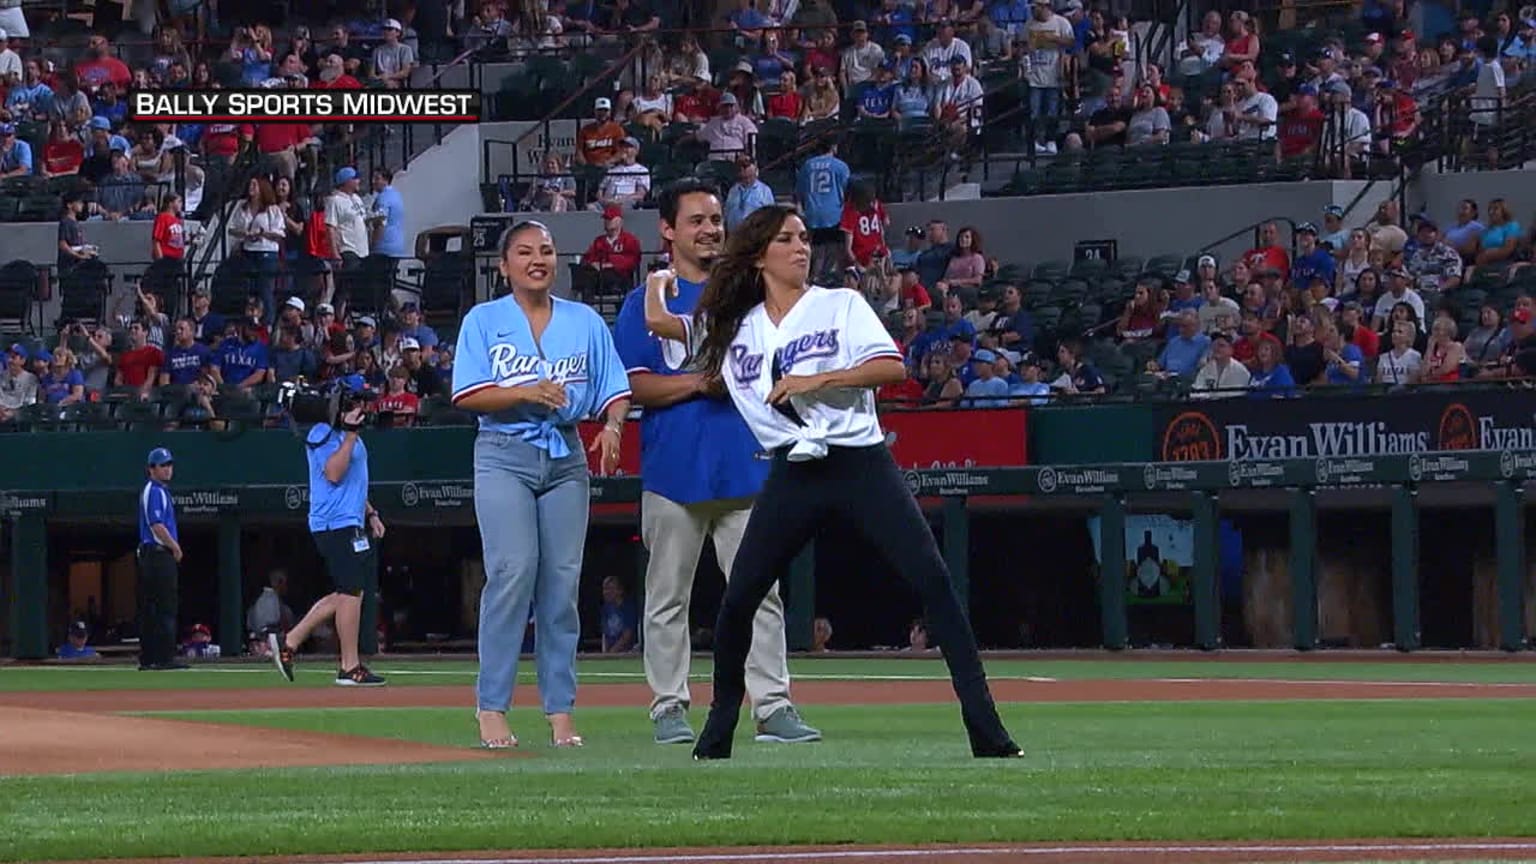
(1247, 430)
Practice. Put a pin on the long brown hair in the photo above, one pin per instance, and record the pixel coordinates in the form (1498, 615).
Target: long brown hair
(735, 284)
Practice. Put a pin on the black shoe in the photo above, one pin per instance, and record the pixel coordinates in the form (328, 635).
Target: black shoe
(359, 677)
(1006, 750)
(716, 739)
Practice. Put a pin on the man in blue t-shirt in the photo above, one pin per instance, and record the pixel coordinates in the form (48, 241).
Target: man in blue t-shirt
(820, 189)
(879, 96)
(389, 209)
(186, 357)
(1311, 261)
(243, 359)
(700, 470)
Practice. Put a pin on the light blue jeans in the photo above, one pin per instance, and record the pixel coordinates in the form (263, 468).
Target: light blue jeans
(532, 512)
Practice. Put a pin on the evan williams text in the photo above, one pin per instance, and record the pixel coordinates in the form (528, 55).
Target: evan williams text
(304, 106)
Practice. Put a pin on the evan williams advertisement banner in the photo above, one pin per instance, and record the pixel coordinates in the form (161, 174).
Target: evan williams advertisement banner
(1246, 430)
(992, 438)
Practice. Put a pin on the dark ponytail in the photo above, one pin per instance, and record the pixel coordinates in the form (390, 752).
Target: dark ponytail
(735, 284)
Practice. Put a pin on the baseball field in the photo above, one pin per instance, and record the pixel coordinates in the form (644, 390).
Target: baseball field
(1163, 757)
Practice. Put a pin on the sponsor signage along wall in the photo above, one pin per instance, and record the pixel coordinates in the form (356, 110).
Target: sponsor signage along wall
(1272, 430)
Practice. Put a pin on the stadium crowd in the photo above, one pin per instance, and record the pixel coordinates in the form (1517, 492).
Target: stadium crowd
(1448, 287)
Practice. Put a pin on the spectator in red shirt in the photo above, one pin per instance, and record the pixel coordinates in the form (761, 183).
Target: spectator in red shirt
(1268, 254)
(398, 402)
(141, 363)
(64, 153)
(1355, 332)
(221, 142)
(864, 223)
(614, 254)
(100, 66)
(278, 144)
(913, 294)
(1301, 127)
(1246, 349)
(786, 103)
(695, 102)
(333, 75)
(168, 237)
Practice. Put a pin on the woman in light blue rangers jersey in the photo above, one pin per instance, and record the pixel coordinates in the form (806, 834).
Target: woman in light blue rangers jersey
(802, 363)
(532, 365)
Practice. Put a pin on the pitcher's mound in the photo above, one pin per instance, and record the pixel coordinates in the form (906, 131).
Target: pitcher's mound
(34, 741)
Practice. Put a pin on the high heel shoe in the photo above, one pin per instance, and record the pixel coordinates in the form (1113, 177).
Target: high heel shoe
(507, 743)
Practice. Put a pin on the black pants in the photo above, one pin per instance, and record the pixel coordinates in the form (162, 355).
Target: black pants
(157, 605)
(860, 487)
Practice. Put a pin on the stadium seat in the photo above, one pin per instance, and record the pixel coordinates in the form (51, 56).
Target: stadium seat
(1165, 266)
(18, 291)
(1051, 271)
(83, 291)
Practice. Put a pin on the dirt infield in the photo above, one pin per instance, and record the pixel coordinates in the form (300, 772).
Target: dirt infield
(1039, 853)
(897, 692)
(61, 742)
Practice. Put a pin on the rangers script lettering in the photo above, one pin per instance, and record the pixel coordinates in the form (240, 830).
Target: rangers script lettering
(512, 369)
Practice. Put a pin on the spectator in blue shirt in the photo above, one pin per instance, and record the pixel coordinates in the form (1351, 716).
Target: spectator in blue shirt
(986, 390)
(243, 359)
(1272, 380)
(747, 194)
(411, 327)
(1311, 261)
(1345, 359)
(186, 357)
(1185, 351)
(879, 97)
(15, 154)
(76, 648)
(389, 209)
(905, 258)
(820, 186)
(1184, 296)
(31, 97)
(1030, 387)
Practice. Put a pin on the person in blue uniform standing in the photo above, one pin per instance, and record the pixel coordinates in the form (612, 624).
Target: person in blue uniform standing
(532, 365)
(347, 530)
(699, 463)
(159, 553)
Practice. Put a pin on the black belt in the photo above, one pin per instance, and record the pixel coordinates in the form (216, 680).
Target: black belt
(152, 547)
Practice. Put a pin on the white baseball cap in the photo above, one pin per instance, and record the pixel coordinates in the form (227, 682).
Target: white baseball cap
(603, 103)
(407, 343)
(392, 24)
(295, 303)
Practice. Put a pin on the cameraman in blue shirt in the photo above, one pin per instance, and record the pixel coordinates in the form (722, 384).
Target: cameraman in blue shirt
(346, 529)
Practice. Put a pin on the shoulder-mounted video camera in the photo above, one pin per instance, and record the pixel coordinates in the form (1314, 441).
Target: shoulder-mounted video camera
(310, 403)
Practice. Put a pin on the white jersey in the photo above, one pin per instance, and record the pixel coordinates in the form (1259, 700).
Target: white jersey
(828, 329)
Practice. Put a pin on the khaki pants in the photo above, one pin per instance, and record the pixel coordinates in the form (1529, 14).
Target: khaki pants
(674, 535)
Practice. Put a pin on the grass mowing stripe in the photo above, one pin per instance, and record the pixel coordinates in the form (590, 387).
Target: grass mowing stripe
(1184, 773)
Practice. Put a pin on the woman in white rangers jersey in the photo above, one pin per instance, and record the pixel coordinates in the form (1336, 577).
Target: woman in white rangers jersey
(802, 363)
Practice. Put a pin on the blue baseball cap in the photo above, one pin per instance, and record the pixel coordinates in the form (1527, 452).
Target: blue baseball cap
(7, 129)
(44, 355)
(984, 355)
(20, 350)
(100, 123)
(160, 456)
(354, 383)
(345, 174)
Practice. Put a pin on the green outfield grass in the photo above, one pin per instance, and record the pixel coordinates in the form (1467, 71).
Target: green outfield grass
(318, 673)
(889, 774)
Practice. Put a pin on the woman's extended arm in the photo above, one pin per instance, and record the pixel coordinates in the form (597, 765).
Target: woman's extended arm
(658, 319)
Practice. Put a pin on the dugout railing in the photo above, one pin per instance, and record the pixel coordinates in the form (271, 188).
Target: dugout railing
(1109, 490)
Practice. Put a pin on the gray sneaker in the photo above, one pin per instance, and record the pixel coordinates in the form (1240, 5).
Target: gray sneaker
(784, 726)
(672, 727)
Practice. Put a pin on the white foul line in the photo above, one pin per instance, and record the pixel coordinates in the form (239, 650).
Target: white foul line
(1036, 851)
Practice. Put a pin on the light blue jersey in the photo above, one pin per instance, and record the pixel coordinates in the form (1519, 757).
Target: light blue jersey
(819, 188)
(335, 505)
(496, 348)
